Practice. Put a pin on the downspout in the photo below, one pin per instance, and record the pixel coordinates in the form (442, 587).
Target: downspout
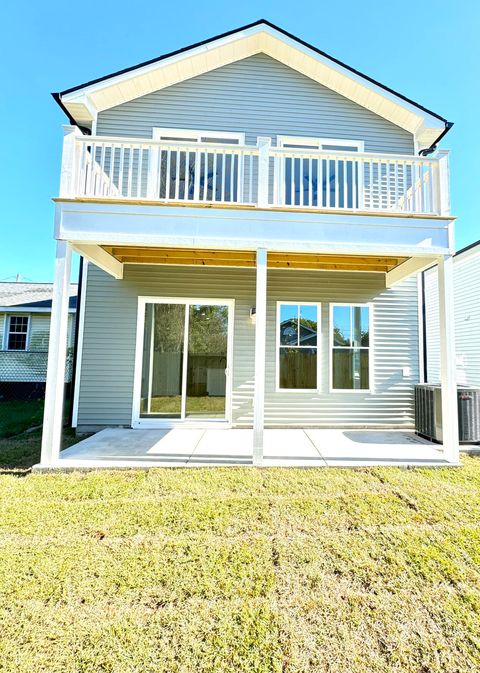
(75, 341)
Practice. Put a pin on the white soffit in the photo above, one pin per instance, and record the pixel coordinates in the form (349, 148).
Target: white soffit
(84, 103)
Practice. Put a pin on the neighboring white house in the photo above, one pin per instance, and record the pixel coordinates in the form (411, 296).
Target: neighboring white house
(466, 281)
(25, 310)
(253, 214)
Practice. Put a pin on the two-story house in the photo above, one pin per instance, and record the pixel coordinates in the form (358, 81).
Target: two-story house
(253, 214)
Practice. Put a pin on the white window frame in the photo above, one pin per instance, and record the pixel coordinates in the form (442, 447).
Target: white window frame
(190, 136)
(195, 135)
(310, 143)
(164, 422)
(370, 348)
(6, 332)
(280, 303)
(316, 143)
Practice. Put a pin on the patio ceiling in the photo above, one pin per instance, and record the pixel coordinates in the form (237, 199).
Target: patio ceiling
(247, 258)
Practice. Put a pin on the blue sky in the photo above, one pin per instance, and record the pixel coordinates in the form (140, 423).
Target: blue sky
(428, 50)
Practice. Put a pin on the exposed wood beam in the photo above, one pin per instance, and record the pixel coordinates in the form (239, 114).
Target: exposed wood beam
(245, 258)
(174, 253)
(187, 261)
(359, 260)
(328, 267)
(101, 258)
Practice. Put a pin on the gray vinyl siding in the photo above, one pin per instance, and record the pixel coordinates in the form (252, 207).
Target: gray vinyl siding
(260, 97)
(466, 279)
(107, 373)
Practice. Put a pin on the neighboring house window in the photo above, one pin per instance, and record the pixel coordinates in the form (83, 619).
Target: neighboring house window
(350, 343)
(297, 346)
(17, 333)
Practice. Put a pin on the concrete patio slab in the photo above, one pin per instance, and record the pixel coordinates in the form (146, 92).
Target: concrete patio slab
(188, 447)
(290, 448)
(223, 447)
(353, 448)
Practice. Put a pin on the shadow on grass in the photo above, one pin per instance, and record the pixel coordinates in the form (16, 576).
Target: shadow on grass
(21, 435)
(18, 454)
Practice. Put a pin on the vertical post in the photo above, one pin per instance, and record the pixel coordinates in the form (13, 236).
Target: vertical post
(443, 182)
(448, 374)
(69, 170)
(263, 144)
(152, 175)
(57, 352)
(260, 334)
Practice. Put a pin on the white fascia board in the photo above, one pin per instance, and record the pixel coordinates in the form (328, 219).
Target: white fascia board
(96, 254)
(28, 309)
(422, 118)
(466, 255)
(282, 231)
(179, 67)
(412, 266)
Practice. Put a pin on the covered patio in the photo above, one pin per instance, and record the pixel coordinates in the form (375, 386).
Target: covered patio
(196, 447)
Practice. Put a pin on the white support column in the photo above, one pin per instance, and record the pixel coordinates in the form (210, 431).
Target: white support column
(263, 144)
(57, 351)
(448, 374)
(260, 337)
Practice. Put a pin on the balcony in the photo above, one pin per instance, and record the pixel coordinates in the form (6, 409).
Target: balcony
(253, 176)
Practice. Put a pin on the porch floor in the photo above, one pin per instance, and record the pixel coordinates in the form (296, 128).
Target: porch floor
(189, 447)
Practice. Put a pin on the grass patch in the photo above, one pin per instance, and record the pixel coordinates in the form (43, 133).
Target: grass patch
(16, 416)
(237, 569)
(22, 451)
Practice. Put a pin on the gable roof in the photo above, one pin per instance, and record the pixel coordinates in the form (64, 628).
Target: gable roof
(82, 103)
(26, 296)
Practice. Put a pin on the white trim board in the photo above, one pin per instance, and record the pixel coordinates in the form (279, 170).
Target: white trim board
(222, 228)
(25, 309)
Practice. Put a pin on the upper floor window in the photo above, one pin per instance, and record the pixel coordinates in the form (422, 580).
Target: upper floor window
(189, 175)
(327, 182)
(350, 343)
(17, 332)
(297, 346)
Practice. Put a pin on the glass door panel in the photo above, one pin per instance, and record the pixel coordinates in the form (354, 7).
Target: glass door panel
(207, 361)
(162, 363)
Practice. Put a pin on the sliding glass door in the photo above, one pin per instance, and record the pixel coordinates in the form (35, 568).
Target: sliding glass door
(184, 360)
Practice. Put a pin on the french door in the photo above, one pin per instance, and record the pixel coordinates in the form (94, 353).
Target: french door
(183, 361)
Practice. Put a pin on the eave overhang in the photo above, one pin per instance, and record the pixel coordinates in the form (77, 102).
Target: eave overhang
(83, 103)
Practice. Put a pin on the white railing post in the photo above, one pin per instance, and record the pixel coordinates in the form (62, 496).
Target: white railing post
(153, 175)
(57, 352)
(68, 176)
(448, 370)
(260, 340)
(263, 144)
(443, 182)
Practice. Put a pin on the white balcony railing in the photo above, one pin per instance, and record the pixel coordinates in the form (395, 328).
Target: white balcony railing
(253, 175)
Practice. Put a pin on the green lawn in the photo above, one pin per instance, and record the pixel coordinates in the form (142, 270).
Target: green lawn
(236, 569)
(18, 416)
